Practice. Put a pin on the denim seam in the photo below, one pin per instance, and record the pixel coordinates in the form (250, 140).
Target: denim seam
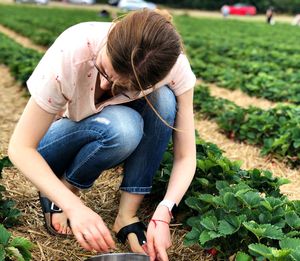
(77, 185)
(63, 137)
(147, 190)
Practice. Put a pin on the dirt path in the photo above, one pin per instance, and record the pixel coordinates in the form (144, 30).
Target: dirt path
(21, 39)
(238, 97)
(13, 99)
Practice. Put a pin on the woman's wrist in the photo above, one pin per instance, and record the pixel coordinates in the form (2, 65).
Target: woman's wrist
(162, 213)
(156, 221)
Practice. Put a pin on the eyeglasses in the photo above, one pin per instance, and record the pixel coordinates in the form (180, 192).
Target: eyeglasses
(103, 74)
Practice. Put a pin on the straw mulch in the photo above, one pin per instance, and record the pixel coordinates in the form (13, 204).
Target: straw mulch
(103, 198)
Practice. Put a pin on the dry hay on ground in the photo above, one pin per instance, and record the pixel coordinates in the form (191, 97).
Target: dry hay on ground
(103, 198)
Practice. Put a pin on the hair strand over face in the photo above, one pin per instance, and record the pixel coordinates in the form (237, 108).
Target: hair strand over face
(143, 47)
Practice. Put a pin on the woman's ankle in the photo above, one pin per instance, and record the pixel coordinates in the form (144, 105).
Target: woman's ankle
(124, 220)
(70, 186)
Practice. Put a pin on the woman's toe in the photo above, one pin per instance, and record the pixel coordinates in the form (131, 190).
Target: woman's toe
(57, 227)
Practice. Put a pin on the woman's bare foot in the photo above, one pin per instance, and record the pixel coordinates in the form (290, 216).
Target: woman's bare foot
(121, 222)
(59, 220)
(60, 223)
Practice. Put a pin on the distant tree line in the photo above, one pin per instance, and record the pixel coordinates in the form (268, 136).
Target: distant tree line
(280, 6)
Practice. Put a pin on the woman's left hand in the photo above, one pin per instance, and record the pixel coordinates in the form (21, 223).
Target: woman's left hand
(158, 235)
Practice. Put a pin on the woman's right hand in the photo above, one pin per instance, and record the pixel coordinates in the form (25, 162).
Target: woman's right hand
(90, 230)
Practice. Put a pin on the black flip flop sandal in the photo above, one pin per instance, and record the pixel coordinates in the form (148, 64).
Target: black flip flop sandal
(48, 208)
(138, 228)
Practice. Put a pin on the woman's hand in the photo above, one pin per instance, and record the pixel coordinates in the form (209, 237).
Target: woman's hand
(158, 235)
(90, 230)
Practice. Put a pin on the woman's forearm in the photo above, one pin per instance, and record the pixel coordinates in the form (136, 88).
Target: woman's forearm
(182, 174)
(36, 170)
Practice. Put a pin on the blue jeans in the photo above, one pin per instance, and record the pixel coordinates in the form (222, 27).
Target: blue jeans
(130, 133)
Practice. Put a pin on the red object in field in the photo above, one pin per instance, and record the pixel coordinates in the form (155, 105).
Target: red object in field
(212, 251)
(238, 9)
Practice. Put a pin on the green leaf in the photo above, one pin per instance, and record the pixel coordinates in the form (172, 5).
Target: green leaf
(221, 184)
(194, 222)
(283, 181)
(264, 230)
(292, 219)
(241, 256)
(266, 204)
(4, 235)
(204, 237)
(261, 250)
(2, 252)
(194, 203)
(14, 252)
(290, 243)
(21, 242)
(272, 232)
(24, 246)
(214, 234)
(226, 228)
(218, 201)
(295, 255)
(293, 233)
(192, 237)
(210, 223)
(279, 254)
(208, 198)
(204, 182)
(251, 199)
(230, 201)
(4, 162)
(254, 228)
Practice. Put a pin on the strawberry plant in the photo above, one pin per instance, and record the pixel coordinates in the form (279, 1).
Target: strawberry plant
(236, 212)
(14, 248)
(8, 213)
(276, 129)
(11, 248)
(43, 25)
(21, 61)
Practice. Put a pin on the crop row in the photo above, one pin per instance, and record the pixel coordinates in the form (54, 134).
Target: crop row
(262, 60)
(43, 25)
(277, 130)
(21, 61)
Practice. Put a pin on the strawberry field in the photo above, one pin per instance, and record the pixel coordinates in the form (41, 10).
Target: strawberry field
(239, 205)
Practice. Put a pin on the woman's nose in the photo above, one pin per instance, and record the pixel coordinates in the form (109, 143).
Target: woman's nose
(105, 84)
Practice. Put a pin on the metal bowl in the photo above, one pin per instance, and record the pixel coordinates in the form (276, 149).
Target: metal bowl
(120, 257)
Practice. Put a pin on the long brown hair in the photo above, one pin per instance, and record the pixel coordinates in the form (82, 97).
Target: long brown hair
(143, 47)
